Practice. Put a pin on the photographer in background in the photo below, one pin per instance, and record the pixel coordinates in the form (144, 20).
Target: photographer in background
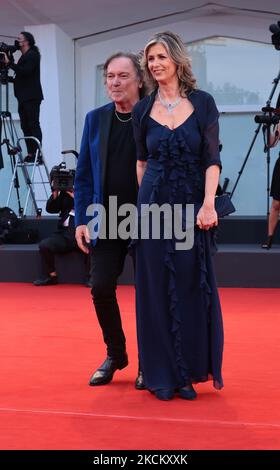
(28, 90)
(62, 240)
(275, 190)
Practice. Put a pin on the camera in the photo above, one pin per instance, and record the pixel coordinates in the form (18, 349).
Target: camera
(275, 38)
(61, 178)
(9, 50)
(4, 68)
(271, 119)
(268, 120)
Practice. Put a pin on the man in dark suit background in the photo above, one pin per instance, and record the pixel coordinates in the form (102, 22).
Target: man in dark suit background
(107, 167)
(28, 90)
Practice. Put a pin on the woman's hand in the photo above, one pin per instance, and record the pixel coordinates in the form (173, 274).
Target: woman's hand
(207, 217)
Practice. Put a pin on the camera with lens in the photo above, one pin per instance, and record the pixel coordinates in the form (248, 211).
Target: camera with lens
(271, 119)
(4, 68)
(268, 120)
(9, 49)
(62, 179)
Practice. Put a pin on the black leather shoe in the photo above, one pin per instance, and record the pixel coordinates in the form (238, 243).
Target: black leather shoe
(104, 374)
(48, 281)
(164, 394)
(187, 392)
(139, 382)
(31, 159)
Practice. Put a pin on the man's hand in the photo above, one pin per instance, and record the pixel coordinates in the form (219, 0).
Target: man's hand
(70, 193)
(83, 238)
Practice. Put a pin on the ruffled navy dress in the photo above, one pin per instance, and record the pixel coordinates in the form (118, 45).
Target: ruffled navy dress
(179, 320)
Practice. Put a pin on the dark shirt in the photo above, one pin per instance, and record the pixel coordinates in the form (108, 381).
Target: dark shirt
(121, 163)
(121, 178)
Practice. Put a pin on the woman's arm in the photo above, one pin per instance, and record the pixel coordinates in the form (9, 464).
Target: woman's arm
(140, 170)
(207, 215)
(141, 150)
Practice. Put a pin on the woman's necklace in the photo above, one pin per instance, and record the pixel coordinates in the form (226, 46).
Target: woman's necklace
(169, 106)
(122, 120)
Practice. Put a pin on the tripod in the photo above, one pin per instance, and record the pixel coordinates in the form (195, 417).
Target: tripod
(12, 143)
(266, 135)
(266, 130)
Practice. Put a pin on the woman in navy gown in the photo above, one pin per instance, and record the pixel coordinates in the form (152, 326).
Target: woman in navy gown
(179, 320)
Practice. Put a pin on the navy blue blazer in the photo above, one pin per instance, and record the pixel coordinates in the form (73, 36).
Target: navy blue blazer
(207, 117)
(91, 166)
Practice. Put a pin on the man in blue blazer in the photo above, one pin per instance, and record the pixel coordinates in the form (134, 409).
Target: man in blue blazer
(107, 167)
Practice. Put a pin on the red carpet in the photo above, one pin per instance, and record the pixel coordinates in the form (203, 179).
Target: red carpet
(50, 344)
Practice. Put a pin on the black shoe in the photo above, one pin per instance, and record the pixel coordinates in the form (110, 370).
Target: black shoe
(139, 382)
(187, 392)
(31, 159)
(267, 245)
(104, 374)
(48, 281)
(164, 394)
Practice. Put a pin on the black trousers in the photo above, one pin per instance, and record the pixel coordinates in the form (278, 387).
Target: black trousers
(29, 112)
(62, 241)
(107, 262)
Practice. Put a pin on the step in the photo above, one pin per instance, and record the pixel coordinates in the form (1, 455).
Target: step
(236, 265)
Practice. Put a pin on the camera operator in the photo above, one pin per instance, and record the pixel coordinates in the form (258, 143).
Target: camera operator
(274, 192)
(62, 240)
(28, 90)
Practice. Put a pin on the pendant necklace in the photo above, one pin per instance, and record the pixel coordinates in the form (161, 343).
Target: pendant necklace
(169, 106)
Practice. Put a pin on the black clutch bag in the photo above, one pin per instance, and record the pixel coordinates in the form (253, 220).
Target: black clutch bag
(223, 206)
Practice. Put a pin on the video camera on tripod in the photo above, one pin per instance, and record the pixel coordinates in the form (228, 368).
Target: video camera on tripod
(4, 68)
(272, 118)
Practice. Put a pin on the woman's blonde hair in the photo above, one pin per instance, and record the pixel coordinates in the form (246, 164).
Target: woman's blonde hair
(177, 52)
